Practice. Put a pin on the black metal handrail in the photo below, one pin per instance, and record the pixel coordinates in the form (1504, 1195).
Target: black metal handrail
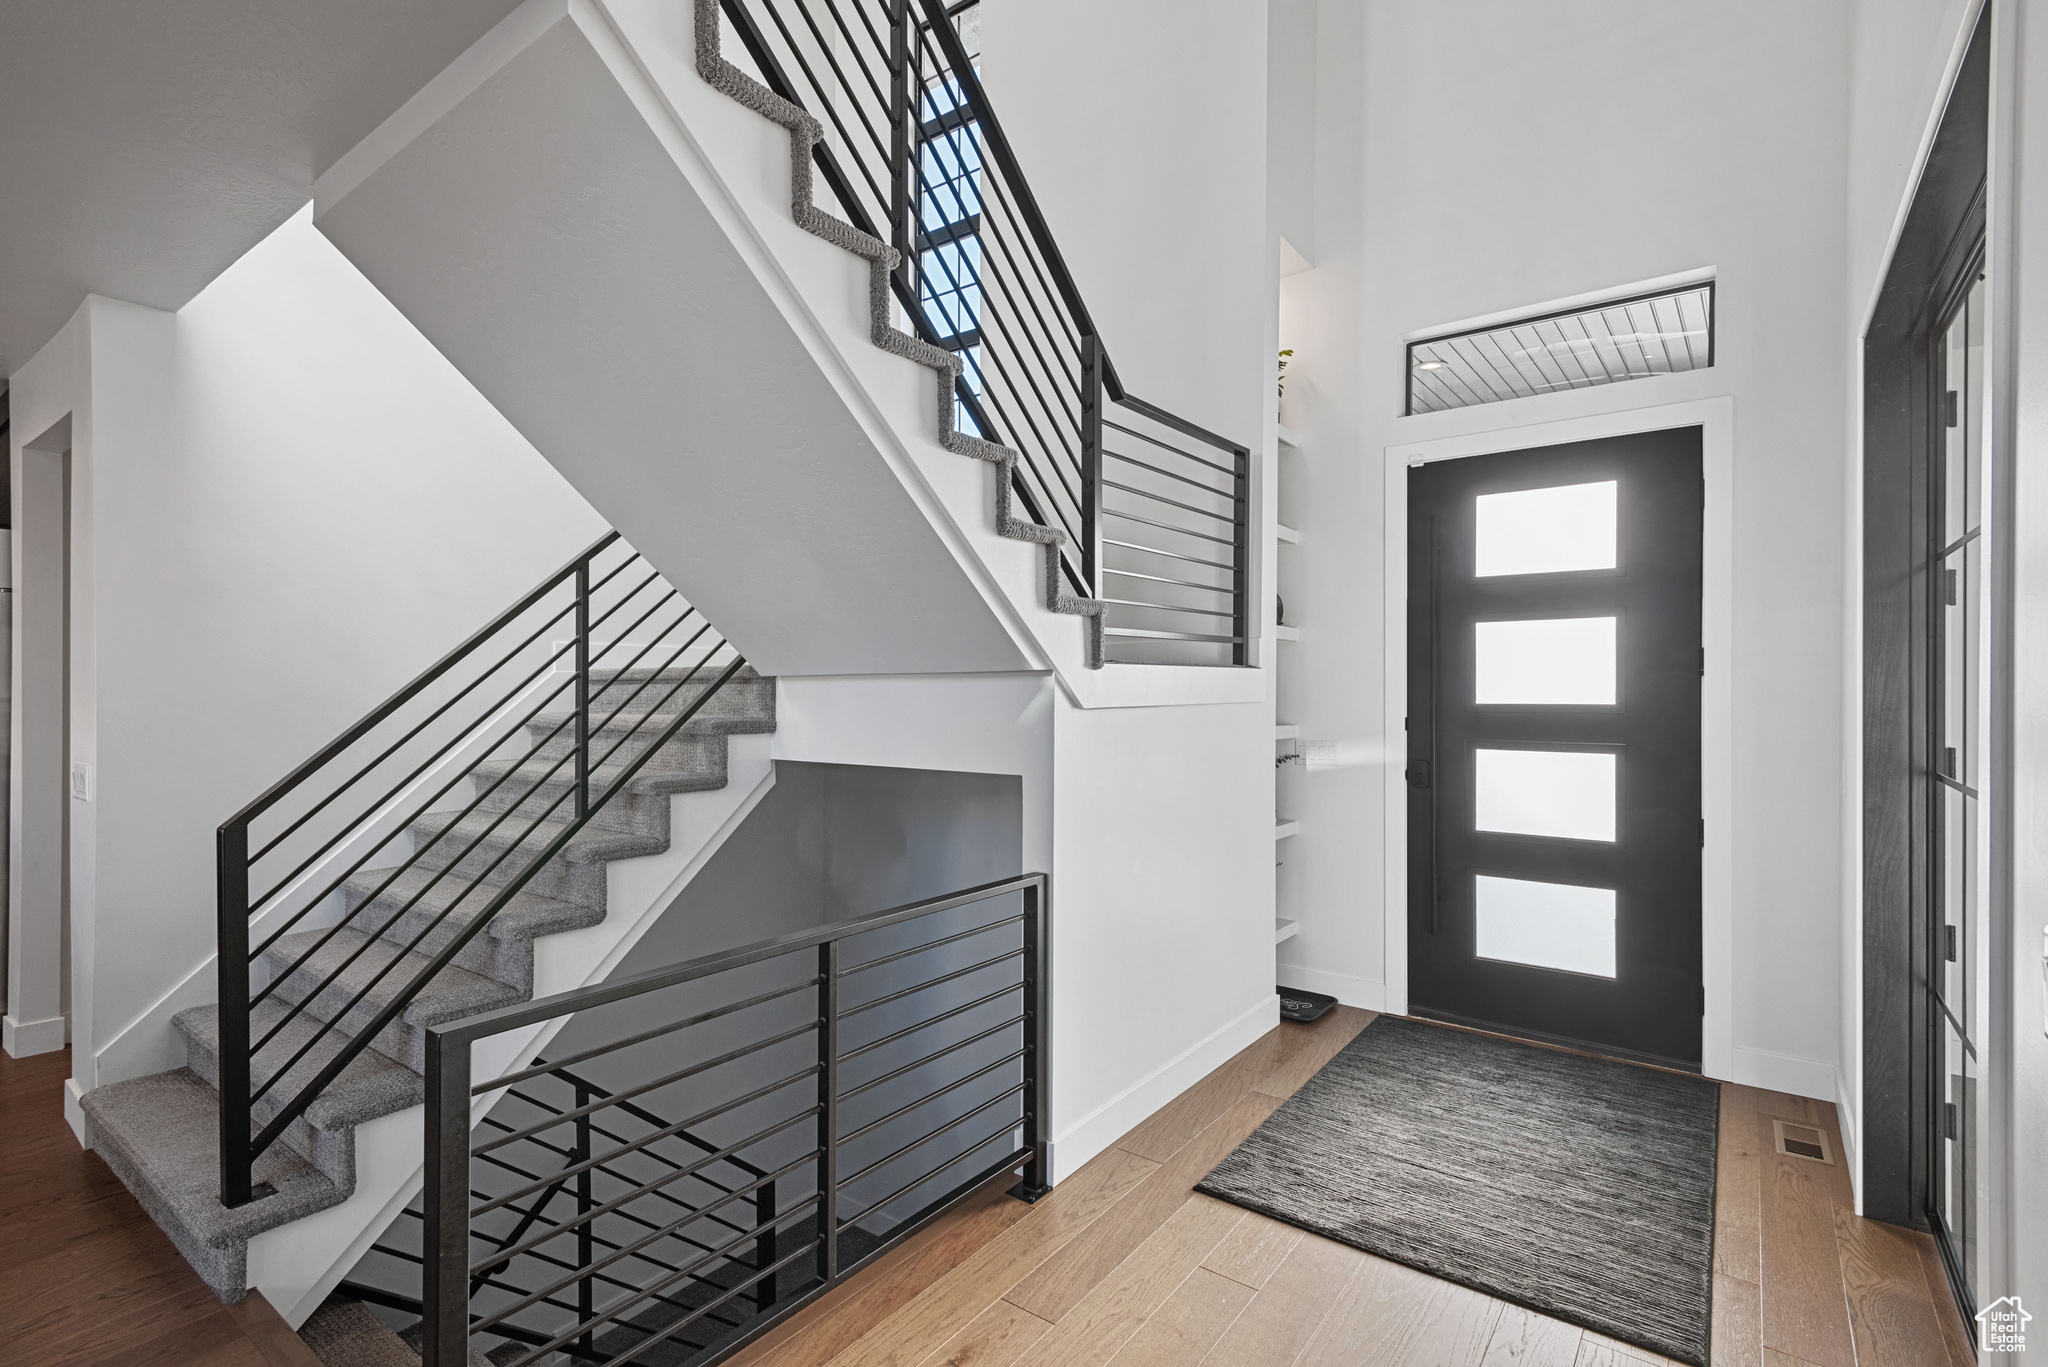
(915, 155)
(371, 874)
(935, 1038)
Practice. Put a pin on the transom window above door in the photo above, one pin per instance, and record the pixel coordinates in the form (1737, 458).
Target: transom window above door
(1666, 333)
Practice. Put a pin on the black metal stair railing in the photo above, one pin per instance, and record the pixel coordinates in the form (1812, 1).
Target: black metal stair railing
(743, 1132)
(345, 889)
(914, 155)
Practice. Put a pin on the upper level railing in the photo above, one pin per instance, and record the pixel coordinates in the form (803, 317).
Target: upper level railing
(913, 154)
(742, 1132)
(359, 877)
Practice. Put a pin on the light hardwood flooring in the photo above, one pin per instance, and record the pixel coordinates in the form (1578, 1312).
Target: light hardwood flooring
(86, 1277)
(1125, 1264)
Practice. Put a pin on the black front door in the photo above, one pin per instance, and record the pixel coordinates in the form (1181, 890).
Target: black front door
(1554, 665)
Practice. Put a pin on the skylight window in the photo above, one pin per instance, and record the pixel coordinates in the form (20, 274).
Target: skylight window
(1629, 339)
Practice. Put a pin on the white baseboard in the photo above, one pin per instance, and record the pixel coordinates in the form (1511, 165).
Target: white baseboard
(1808, 1077)
(1846, 1117)
(24, 1038)
(1366, 994)
(1124, 1112)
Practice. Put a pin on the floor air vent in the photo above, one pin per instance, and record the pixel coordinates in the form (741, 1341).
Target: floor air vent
(1802, 1141)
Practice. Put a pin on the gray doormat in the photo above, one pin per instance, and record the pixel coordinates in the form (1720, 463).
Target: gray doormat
(1579, 1187)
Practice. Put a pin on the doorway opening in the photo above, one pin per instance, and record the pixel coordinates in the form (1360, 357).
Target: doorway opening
(39, 876)
(1554, 768)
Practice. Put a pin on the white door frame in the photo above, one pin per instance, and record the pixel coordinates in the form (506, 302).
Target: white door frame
(1716, 419)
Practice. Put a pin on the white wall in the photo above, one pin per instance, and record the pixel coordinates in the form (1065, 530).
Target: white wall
(1142, 131)
(1473, 157)
(286, 505)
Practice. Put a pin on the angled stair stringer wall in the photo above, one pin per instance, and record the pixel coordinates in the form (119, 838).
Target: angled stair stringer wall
(603, 242)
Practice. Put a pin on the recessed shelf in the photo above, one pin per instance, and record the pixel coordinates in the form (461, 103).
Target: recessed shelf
(1287, 533)
(1287, 633)
(1282, 829)
(1287, 438)
(1283, 731)
(1284, 929)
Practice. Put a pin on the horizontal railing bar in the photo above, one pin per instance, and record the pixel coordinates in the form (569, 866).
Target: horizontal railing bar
(614, 1155)
(915, 1183)
(850, 1011)
(1168, 527)
(505, 1018)
(462, 937)
(407, 693)
(641, 1113)
(1171, 555)
(619, 1308)
(929, 1097)
(1163, 579)
(1228, 519)
(1184, 454)
(745, 1283)
(1167, 635)
(656, 1033)
(590, 1108)
(504, 1256)
(1168, 474)
(960, 1010)
(1180, 425)
(928, 1137)
(1168, 607)
(866, 964)
(932, 1057)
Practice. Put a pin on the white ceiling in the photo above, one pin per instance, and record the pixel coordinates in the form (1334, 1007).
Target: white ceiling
(146, 144)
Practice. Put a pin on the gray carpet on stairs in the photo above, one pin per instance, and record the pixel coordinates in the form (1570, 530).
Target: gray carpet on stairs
(1580, 1187)
(160, 1133)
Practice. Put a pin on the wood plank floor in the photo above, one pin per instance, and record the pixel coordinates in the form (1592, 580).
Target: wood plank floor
(86, 1277)
(1126, 1264)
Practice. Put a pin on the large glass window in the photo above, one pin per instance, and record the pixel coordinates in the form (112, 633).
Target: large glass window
(1959, 669)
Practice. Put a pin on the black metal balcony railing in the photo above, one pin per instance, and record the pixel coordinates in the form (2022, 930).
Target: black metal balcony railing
(833, 1091)
(1155, 508)
(345, 889)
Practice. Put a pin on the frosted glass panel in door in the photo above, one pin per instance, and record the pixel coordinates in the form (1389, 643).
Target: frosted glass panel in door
(1547, 925)
(1560, 793)
(1546, 531)
(1566, 660)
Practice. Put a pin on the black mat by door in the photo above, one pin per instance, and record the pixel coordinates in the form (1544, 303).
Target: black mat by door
(1576, 1186)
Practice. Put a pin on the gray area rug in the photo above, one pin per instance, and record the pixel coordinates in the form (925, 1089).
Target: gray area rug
(1579, 1187)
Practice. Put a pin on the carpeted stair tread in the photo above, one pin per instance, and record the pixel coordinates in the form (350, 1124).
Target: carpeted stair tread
(493, 832)
(375, 894)
(372, 1084)
(544, 777)
(348, 962)
(347, 1333)
(161, 1135)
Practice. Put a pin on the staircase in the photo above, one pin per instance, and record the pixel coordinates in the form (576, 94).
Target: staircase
(441, 922)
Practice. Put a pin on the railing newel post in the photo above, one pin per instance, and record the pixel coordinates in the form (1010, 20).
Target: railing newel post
(1091, 462)
(444, 1205)
(828, 1110)
(583, 689)
(586, 1238)
(903, 142)
(1241, 561)
(1036, 1178)
(231, 875)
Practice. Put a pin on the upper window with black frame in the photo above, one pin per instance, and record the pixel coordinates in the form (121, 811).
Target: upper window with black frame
(1629, 339)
